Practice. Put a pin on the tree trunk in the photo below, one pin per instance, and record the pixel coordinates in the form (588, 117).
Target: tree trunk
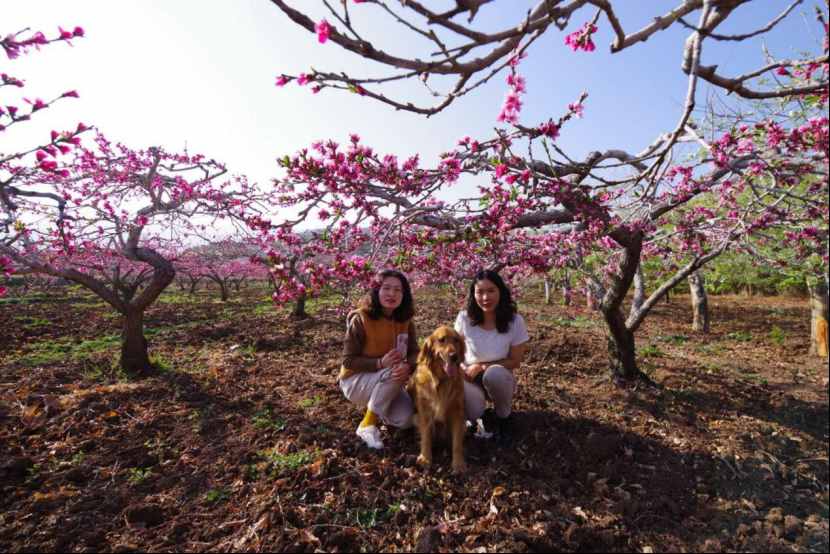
(700, 302)
(547, 291)
(621, 349)
(299, 308)
(193, 284)
(639, 290)
(595, 293)
(134, 358)
(566, 291)
(223, 290)
(818, 319)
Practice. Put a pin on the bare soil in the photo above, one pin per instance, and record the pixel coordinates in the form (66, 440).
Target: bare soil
(243, 441)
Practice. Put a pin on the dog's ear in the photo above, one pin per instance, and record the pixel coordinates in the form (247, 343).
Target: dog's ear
(425, 356)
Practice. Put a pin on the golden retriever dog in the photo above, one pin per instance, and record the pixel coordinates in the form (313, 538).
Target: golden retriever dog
(437, 388)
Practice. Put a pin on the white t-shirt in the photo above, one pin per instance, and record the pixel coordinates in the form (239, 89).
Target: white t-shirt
(489, 346)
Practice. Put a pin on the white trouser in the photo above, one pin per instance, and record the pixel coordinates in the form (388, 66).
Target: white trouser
(377, 390)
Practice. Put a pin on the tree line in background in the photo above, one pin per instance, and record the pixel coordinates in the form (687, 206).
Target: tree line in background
(732, 190)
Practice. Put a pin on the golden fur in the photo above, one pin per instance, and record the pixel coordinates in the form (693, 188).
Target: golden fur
(437, 388)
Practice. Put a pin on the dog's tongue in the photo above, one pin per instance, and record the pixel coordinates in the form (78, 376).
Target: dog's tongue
(450, 368)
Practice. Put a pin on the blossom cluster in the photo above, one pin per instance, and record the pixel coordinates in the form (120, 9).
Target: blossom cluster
(14, 46)
(581, 39)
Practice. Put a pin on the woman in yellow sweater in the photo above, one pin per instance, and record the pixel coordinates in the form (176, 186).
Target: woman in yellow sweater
(379, 355)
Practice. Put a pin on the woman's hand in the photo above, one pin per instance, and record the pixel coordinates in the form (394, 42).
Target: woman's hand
(390, 359)
(473, 370)
(401, 372)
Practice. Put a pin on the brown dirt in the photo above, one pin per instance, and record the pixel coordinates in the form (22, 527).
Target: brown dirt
(244, 441)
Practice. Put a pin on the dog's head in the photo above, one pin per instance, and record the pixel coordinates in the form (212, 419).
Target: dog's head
(443, 349)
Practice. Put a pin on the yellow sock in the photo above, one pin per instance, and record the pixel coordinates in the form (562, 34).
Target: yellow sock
(369, 419)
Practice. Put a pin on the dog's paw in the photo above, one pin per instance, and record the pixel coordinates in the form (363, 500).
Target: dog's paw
(423, 461)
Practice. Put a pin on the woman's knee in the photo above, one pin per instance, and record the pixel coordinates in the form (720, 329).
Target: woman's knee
(400, 411)
(498, 377)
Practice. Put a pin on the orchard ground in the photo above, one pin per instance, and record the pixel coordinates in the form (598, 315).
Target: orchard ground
(243, 441)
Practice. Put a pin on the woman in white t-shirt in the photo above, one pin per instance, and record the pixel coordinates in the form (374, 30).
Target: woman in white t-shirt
(496, 340)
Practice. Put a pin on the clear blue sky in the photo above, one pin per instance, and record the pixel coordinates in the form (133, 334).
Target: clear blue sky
(176, 72)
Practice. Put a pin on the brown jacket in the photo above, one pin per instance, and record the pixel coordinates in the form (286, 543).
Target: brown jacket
(368, 340)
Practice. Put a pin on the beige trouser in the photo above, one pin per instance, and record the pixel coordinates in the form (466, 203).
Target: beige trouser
(382, 395)
(500, 385)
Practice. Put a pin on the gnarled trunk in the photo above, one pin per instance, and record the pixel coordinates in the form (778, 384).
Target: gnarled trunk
(639, 290)
(700, 302)
(193, 284)
(299, 308)
(566, 291)
(622, 353)
(621, 350)
(134, 358)
(594, 293)
(818, 319)
(223, 290)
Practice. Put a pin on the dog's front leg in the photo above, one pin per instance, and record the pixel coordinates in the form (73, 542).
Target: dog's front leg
(457, 429)
(425, 429)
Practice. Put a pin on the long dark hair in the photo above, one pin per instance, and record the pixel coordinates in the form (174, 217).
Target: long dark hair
(371, 302)
(506, 308)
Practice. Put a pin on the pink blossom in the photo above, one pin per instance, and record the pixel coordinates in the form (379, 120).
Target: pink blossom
(745, 146)
(323, 31)
(281, 81)
(549, 129)
(303, 79)
(516, 59)
(511, 108)
(581, 39)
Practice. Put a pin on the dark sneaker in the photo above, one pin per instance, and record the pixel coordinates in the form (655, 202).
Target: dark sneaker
(504, 431)
(490, 421)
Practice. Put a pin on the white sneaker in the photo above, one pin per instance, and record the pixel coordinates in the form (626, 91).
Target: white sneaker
(481, 432)
(371, 436)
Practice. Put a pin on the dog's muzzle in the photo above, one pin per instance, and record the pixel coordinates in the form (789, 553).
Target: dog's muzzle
(451, 365)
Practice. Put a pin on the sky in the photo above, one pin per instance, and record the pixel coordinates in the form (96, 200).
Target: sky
(196, 74)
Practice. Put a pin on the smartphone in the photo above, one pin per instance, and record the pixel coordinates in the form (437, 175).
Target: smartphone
(402, 344)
